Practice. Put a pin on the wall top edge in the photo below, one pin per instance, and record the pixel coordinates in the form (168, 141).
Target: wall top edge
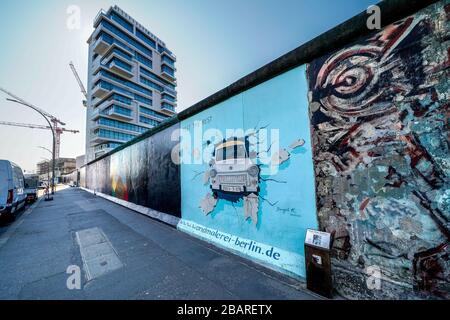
(339, 36)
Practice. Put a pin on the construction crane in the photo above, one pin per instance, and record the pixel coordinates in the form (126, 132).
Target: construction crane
(52, 118)
(80, 84)
(58, 132)
(43, 112)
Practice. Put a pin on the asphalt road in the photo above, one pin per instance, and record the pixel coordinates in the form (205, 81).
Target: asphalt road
(121, 255)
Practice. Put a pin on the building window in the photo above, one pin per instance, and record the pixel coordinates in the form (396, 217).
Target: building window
(124, 23)
(168, 98)
(168, 70)
(139, 57)
(117, 109)
(145, 38)
(127, 83)
(108, 134)
(121, 125)
(120, 98)
(120, 63)
(167, 106)
(151, 84)
(146, 120)
(153, 113)
(169, 61)
(107, 25)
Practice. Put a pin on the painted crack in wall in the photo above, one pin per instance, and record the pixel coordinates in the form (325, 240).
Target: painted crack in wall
(379, 114)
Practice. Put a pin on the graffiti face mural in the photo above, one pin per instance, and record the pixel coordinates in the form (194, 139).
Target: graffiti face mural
(254, 179)
(378, 111)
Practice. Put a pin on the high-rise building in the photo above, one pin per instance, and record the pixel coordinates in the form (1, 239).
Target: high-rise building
(131, 82)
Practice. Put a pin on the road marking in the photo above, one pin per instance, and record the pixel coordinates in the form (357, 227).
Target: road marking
(98, 254)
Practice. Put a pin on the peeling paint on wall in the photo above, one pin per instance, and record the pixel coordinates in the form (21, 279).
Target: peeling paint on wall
(379, 114)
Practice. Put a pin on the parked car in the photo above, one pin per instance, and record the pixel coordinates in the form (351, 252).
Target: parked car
(12, 189)
(41, 185)
(232, 171)
(31, 187)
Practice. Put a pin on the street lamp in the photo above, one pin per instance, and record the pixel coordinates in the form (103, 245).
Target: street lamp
(53, 136)
(48, 171)
(48, 178)
(44, 148)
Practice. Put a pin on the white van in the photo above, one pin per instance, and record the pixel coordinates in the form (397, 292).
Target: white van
(12, 188)
(31, 186)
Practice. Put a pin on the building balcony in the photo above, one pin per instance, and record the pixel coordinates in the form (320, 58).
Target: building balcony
(101, 46)
(170, 65)
(170, 55)
(107, 103)
(95, 114)
(167, 108)
(167, 100)
(121, 88)
(170, 92)
(101, 14)
(170, 76)
(121, 68)
(112, 112)
(127, 131)
(96, 139)
(99, 91)
(116, 113)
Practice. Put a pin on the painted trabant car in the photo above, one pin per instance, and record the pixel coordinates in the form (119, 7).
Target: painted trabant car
(232, 171)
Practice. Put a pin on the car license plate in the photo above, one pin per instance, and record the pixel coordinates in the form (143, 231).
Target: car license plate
(232, 189)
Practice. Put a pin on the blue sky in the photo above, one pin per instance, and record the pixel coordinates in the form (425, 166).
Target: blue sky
(216, 43)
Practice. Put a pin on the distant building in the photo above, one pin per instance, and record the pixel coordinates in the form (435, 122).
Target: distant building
(131, 82)
(80, 161)
(63, 166)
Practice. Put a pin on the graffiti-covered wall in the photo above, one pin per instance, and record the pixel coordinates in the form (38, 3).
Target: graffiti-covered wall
(354, 142)
(142, 173)
(379, 113)
(247, 177)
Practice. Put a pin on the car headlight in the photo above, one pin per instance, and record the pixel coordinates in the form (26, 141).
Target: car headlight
(213, 173)
(253, 171)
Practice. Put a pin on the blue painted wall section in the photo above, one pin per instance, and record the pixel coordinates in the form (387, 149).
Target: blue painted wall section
(284, 207)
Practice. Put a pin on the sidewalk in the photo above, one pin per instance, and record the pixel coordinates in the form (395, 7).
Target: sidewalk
(124, 255)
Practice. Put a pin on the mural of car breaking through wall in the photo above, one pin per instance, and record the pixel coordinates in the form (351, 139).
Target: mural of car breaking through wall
(354, 143)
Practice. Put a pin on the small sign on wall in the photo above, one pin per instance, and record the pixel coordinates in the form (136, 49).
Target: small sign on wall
(318, 239)
(318, 262)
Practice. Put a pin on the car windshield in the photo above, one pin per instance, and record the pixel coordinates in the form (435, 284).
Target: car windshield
(231, 152)
(31, 183)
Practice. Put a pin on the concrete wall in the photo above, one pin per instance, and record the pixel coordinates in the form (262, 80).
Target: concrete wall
(274, 212)
(142, 173)
(379, 109)
(365, 124)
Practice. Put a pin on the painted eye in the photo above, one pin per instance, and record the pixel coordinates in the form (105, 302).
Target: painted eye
(348, 82)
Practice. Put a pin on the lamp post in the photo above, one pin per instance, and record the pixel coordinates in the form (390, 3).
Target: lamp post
(53, 136)
(44, 148)
(48, 178)
(48, 171)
